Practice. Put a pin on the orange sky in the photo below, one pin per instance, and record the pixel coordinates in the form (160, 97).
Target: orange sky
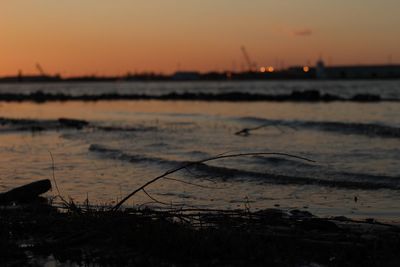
(103, 37)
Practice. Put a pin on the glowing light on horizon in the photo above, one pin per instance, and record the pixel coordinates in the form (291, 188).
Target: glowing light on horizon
(267, 69)
(306, 69)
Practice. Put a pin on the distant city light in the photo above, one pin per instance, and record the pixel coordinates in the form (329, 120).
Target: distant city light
(267, 69)
(306, 69)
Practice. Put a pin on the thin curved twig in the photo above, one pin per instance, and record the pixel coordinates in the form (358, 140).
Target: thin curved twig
(118, 205)
(246, 131)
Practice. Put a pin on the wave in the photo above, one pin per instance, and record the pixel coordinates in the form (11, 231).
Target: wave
(8, 124)
(278, 161)
(123, 129)
(346, 181)
(367, 129)
(294, 96)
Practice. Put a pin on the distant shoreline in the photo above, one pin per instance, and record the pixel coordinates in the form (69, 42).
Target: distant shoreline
(319, 72)
(294, 96)
(15, 80)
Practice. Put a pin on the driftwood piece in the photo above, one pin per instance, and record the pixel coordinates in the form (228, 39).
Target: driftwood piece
(25, 193)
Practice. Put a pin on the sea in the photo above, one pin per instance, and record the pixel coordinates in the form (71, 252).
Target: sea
(331, 158)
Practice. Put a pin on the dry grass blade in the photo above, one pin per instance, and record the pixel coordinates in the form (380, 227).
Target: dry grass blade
(53, 173)
(193, 184)
(154, 199)
(70, 205)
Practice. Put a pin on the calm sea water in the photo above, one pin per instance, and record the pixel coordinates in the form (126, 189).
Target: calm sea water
(356, 147)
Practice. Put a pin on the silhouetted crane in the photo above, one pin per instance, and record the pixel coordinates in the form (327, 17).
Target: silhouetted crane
(251, 65)
(40, 69)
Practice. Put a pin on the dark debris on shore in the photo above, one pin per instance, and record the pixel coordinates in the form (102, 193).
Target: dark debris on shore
(191, 237)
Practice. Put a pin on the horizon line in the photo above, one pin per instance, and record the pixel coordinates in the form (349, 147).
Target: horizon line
(128, 73)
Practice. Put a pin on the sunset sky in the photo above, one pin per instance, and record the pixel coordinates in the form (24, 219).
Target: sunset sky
(103, 37)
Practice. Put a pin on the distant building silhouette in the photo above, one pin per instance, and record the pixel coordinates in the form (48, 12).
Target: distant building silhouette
(362, 72)
(186, 76)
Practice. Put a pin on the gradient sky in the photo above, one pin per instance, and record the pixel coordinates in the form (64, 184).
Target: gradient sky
(104, 37)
